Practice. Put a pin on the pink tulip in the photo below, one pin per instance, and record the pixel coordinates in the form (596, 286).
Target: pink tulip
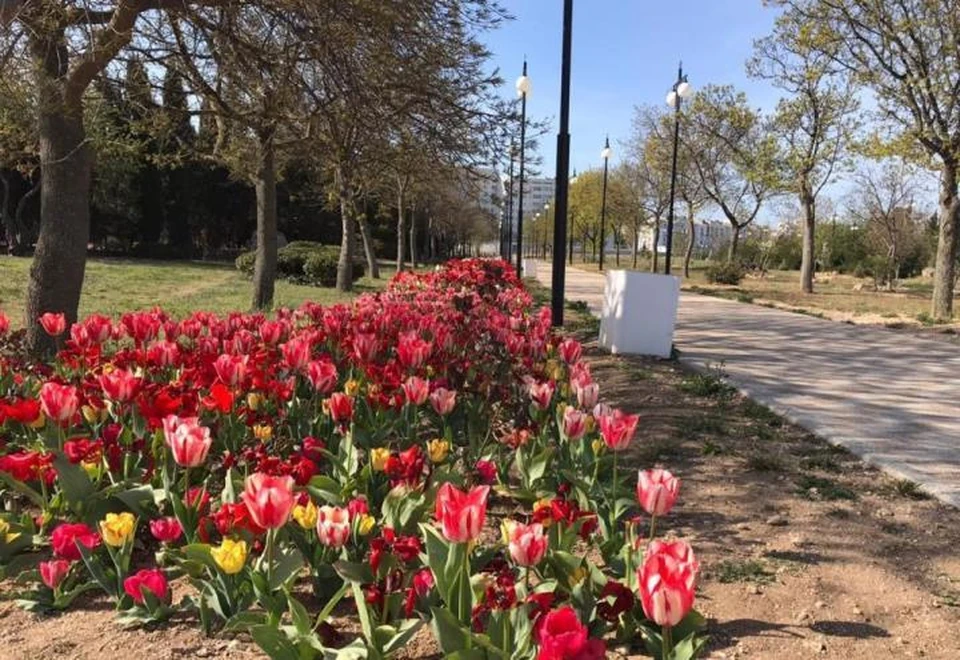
(618, 428)
(322, 374)
(296, 353)
(271, 332)
(416, 390)
(587, 395)
(541, 394)
(412, 351)
(59, 402)
(164, 353)
(118, 385)
(443, 400)
(54, 571)
(365, 346)
(461, 515)
(570, 350)
(269, 499)
(657, 491)
(166, 530)
(527, 544)
(230, 369)
(574, 423)
(188, 441)
(54, 324)
(333, 526)
(666, 581)
(340, 406)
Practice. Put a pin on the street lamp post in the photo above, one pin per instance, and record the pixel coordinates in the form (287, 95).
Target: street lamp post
(508, 252)
(681, 90)
(546, 227)
(573, 180)
(563, 171)
(523, 90)
(605, 155)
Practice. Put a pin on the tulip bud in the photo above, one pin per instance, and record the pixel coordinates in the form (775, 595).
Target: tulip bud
(378, 458)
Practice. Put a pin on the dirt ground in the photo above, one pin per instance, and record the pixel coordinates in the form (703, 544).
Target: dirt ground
(806, 552)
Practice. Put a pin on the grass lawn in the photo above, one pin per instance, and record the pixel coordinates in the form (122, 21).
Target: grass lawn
(114, 286)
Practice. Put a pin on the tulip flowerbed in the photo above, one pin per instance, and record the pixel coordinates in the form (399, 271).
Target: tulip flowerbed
(428, 456)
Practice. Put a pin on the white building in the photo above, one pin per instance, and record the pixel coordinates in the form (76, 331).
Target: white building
(709, 236)
(537, 192)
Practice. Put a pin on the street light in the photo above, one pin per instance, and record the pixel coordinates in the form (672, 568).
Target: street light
(681, 90)
(532, 250)
(546, 227)
(508, 251)
(523, 90)
(559, 274)
(573, 180)
(605, 155)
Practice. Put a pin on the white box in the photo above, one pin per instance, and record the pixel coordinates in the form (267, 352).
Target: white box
(639, 313)
(529, 268)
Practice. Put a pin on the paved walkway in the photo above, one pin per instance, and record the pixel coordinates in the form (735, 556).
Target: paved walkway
(893, 399)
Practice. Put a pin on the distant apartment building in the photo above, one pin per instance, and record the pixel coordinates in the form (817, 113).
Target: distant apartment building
(709, 237)
(537, 192)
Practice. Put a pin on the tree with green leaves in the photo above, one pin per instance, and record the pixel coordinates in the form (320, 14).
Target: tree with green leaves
(906, 53)
(736, 155)
(815, 123)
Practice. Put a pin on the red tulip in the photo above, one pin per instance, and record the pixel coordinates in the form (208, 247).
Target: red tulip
(166, 530)
(188, 441)
(618, 428)
(541, 394)
(271, 332)
(340, 406)
(52, 572)
(561, 636)
(164, 353)
(269, 499)
(296, 353)
(461, 515)
(59, 402)
(574, 423)
(4, 324)
(443, 400)
(65, 537)
(322, 375)
(416, 390)
(230, 369)
(119, 385)
(358, 506)
(666, 581)
(657, 490)
(54, 324)
(365, 346)
(412, 350)
(570, 350)
(527, 543)
(152, 580)
(333, 526)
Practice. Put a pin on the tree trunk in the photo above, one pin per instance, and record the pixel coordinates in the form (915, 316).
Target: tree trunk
(616, 240)
(22, 206)
(401, 229)
(734, 242)
(691, 240)
(59, 262)
(413, 240)
(656, 245)
(807, 260)
(371, 255)
(949, 215)
(348, 238)
(265, 265)
(5, 217)
(583, 249)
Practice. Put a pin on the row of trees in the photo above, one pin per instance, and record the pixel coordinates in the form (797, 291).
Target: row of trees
(353, 102)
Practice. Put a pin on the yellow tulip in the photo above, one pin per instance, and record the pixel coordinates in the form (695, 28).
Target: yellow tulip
(438, 450)
(262, 432)
(117, 528)
(378, 458)
(305, 515)
(39, 422)
(93, 415)
(351, 387)
(597, 446)
(254, 400)
(230, 556)
(366, 524)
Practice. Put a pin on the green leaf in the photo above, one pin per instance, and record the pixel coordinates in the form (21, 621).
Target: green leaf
(354, 571)
(332, 603)
(408, 628)
(438, 557)
(274, 643)
(104, 578)
(135, 499)
(538, 465)
(22, 488)
(688, 648)
(298, 615)
(289, 563)
(200, 553)
(74, 483)
(450, 634)
(363, 612)
(325, 488)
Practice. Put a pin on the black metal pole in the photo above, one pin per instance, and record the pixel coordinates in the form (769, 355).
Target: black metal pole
(563, 171)
(673, 171)
(509, 247)
(603, 205)
(523, 145)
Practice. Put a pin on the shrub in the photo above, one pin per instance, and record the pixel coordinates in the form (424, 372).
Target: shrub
(726, 272)
(304, 262)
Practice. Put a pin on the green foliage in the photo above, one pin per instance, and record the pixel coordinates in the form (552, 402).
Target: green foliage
(304, 262)
(726, 272)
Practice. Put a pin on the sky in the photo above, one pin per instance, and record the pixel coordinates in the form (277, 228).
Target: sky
(625, 53)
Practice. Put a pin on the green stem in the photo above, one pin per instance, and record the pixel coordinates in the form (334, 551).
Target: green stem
(613, 503)
(653, 527)
(271, 537)
(667, 646)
